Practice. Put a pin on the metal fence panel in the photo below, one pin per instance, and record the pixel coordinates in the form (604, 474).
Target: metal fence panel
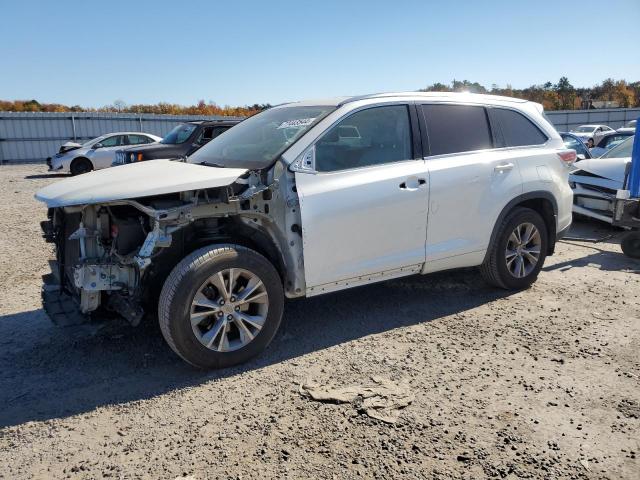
(566, 120)
(34, 136)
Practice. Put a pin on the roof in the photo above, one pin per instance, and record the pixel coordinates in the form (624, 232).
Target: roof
(458, 96)
(126, 133)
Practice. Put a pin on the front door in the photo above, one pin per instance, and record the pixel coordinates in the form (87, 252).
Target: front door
(104, 156)
(364, 209)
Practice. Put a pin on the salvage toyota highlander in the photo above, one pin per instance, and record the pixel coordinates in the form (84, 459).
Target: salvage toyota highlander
(304, 199)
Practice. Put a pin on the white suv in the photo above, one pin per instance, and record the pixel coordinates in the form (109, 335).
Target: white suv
(309, 198)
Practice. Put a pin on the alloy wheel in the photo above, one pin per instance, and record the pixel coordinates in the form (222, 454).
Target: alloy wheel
(229, 309)
(523, 250)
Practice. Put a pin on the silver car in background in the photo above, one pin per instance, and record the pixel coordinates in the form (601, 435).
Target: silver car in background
(97, 153)
(592, 132)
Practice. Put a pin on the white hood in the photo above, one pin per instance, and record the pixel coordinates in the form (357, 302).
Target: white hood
(609, 168)
(136, 180)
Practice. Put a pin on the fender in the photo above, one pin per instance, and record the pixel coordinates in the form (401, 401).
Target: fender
(523, 199)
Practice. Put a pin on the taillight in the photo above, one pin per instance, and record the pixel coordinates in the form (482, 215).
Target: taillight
(568, 157)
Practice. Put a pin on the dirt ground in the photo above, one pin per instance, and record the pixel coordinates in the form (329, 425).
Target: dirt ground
(543, 383)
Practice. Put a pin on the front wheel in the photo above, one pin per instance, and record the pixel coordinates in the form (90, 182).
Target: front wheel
(80, 166)
(220, 306)
(630, 244)
(518, 251)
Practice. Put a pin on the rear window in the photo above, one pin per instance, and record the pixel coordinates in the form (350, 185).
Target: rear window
(518, 130)
(457, 128)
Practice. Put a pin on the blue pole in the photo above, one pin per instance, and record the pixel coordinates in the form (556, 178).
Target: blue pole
(633, 184)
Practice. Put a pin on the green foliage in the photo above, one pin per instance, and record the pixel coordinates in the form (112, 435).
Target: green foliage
(201, 108)
(560, 96)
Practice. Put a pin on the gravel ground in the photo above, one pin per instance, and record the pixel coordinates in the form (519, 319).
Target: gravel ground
(543, 383)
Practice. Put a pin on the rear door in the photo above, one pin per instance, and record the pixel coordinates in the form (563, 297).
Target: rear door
(471, 180)
(364, 209)
(138, 140)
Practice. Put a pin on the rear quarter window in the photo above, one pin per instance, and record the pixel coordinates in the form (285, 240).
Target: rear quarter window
(518, 130)
(456, 128)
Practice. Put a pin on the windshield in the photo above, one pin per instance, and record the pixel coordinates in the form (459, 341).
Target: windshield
(584, 129)
(623, 150)
(179, 134)
(259, 140)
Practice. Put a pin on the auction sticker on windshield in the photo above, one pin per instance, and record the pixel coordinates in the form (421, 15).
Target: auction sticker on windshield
(300, 122)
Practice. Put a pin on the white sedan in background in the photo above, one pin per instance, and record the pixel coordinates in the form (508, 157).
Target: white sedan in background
(97, 153)
(595, 132)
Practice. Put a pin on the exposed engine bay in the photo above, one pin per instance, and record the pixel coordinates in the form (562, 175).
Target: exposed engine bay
(114, 256)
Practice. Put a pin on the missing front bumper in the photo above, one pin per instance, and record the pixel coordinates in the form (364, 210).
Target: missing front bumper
(61, 307)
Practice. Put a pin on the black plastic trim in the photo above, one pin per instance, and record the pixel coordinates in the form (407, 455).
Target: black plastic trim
(535, 195)
(416, 137)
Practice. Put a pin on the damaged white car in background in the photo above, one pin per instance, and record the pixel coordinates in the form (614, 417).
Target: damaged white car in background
(596, 181)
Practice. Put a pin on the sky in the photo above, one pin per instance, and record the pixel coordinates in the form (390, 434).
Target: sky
(240, 52)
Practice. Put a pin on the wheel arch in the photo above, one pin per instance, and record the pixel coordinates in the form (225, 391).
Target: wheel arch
(246, 236)
(540, 201)
(80, 158)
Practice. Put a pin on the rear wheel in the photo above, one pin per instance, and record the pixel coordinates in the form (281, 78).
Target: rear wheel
(221, 306)
(518, 251)
(80, 166)
(630, 244)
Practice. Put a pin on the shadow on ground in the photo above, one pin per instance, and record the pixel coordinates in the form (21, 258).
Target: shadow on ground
(47, 175)
(602, 259)
(593, 232)
(48, 372)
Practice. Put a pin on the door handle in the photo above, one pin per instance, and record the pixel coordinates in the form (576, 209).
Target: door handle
(413, 183)
(505, 167)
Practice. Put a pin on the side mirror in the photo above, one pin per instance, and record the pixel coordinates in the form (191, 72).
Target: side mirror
(96, 146)
(581, 156)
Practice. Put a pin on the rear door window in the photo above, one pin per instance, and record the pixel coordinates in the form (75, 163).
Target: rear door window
(518, 130)
(137, 139)
(456, 128)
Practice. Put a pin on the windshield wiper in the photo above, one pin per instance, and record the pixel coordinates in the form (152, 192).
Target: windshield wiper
(211, 164)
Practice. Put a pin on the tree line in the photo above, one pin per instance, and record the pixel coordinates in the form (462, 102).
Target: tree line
(554, 96)
(119, 106)
(557, 96)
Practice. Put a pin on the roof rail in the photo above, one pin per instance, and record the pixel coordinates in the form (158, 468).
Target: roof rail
(427, 94)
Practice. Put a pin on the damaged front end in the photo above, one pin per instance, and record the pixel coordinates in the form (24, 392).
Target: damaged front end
(94, 264)
(114, 255)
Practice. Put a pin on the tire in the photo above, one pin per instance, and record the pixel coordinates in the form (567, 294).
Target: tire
(630, 244)
(198, 274)
(80, 166)
(497, 270)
